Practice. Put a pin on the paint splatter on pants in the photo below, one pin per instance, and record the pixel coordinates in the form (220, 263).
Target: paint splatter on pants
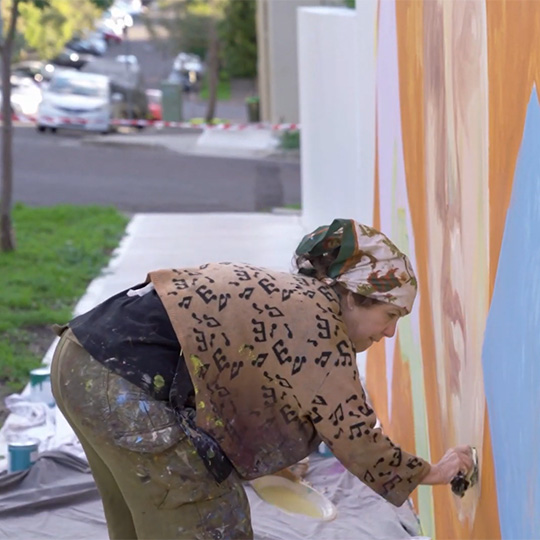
(152, 481)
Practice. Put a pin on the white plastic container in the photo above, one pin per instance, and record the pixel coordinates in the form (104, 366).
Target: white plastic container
(40, 386)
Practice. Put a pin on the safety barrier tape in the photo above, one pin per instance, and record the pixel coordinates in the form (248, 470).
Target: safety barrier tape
(226, 126)
(161, 124)
(21, 118)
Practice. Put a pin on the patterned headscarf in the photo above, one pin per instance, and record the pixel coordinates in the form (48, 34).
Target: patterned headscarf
(361, 259)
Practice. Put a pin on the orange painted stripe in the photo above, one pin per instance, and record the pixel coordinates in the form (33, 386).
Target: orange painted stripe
(410, 36)
(513, 30)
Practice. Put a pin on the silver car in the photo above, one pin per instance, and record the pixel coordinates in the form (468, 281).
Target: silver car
(76, 100)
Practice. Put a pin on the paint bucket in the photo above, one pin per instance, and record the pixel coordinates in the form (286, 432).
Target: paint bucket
(40, 386)
(22, 454)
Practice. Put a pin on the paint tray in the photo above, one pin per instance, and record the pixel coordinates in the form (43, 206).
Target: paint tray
(294, 497)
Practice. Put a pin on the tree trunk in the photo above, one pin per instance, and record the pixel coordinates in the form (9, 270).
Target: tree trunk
(213, 71)
(7, 235)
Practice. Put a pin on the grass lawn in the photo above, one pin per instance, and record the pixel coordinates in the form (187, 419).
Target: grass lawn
(59, 251)
(223, 90)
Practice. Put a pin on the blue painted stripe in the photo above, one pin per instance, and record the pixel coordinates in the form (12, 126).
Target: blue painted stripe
(511, 354)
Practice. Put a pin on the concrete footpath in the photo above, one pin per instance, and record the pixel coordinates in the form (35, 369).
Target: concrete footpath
(248, 143)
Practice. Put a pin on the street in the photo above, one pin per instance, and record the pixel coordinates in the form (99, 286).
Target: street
(62, 168)
(65, 168)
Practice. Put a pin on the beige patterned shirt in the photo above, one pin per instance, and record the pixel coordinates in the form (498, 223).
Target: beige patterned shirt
(275, 373)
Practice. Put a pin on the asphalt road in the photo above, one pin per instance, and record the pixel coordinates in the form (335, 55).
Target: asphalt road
(53, 169)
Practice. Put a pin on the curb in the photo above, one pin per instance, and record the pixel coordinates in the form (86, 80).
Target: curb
(193, 150)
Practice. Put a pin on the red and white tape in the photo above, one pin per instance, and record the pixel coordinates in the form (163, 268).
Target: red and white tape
(161, 124)
(228, 126)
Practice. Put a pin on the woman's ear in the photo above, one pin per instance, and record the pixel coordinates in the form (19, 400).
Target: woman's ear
(349, 300)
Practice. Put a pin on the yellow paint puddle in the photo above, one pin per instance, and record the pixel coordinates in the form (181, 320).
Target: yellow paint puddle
(294, 497)
(288, 500)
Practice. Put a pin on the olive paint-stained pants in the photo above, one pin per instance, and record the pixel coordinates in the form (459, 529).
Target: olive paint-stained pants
(152, 482)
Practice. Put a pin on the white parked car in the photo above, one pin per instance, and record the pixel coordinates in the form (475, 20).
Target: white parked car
(25, 96)
(76, 100)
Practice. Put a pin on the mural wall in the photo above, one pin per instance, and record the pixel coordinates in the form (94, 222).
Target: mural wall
(443, 115)
(457, 186)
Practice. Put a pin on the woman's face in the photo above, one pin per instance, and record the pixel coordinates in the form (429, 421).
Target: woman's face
(366, 325)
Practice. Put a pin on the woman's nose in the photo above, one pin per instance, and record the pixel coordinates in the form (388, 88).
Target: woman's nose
(390, 330)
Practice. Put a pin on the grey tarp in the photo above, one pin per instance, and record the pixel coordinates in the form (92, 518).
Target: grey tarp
(57, 499)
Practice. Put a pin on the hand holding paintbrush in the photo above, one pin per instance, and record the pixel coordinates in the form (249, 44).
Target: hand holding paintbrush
(458, 466)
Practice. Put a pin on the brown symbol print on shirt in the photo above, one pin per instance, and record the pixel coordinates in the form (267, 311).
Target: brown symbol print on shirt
(356, 430)
(185, 302)
(286, 294)
(222, 363)
(302, 281)
(396, 457)
(221, 391)
(318, 402)
(180, 284)
(246, 293)
(326, 292)
(242, 275)
(413, 463)
(389, 485)
(316, 417)
(269, 395)
(211, 322)
(368, 478)
(206, 294)
(220, 360)
(223, 300)
(344, 356)
(194, 273)
(337, 415)
(363, 410)
(235, 369)
(281, 352)
(289, 414)
(323, 359)
(283, 382)
(323, 325)
(259, 331)
(268, 287)
(200, 339)
(273, 311)
(299, 361)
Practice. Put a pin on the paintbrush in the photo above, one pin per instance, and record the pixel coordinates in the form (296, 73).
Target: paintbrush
(462, 482)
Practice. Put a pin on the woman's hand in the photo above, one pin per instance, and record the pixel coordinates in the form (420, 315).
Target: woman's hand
(455, 460)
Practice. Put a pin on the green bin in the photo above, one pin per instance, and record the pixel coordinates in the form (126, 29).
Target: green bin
(171, 101)
(253, 109)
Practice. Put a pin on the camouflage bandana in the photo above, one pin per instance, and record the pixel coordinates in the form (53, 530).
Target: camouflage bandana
(364, 261)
